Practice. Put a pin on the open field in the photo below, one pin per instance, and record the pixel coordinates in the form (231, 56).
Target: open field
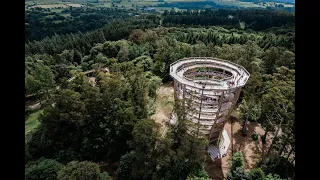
(57, 1)
(32, 121)
(50, 6)
(238, 4)
(142, 3)
(74, 5)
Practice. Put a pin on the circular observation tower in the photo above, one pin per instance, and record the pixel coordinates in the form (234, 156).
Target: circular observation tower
(212, 87)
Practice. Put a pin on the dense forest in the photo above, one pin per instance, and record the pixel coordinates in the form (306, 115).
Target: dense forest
(195, 5)
(254, 19)
(85, 128)
(41, 23)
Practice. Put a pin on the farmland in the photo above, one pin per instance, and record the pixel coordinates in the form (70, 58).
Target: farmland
(148, 3)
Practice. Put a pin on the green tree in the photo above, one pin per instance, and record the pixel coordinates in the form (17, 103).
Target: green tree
(110, 49)
(145, 61)
(273, 177)
(154, 85)
(40, 79)
(123, 54)
(32, 84)
(198, 174)
(81, 170)
(278, 102)
(238, 174)
(110, 119)
(278, 165)
(60, 126)
(256, 174)
(139, 91)
(42, 169)
(140, 162)
(276, 57)
(236, 171)
(137, 36)
(126, 165)
(237, 160)
(249, 110)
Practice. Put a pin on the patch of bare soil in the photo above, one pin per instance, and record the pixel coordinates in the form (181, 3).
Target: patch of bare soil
(164, 104)
(214, 168)
(252, 150)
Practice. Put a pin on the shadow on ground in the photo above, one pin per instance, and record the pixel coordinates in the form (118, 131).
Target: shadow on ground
(252, 150)
(214, 168)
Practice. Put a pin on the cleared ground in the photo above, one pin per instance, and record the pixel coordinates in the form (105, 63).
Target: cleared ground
(252, 150)
(32, 121)
(164, 104)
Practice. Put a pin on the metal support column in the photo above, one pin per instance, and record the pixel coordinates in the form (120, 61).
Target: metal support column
(217, 114)
(201, 99)
(235, 99)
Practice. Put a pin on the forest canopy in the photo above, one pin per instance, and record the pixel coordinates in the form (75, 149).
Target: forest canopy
(84, 127)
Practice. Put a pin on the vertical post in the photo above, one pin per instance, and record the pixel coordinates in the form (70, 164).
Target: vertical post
(184, 91)
(184, 100)
(220, 104)
(201, 98)
(235, 99)
(218, 141)
(217, 114)
(175, 85)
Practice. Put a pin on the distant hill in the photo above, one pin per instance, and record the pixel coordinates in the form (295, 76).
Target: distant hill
(278, 1)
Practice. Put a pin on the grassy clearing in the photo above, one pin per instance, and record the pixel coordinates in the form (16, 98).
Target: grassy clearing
(50, 6)
(237, 3)
(32, 121)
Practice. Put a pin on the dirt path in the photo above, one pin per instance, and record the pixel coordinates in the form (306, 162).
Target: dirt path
(252, 150)
(164, 101)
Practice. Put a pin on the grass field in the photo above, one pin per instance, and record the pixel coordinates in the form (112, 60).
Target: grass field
(237, 3)
(32, 121)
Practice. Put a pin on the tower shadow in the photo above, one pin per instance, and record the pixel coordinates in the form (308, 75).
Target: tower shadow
(214, 168)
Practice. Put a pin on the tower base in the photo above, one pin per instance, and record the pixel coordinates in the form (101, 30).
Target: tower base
(220, 151)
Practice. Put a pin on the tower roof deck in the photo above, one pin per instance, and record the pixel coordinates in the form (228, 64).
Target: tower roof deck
(238, 79)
